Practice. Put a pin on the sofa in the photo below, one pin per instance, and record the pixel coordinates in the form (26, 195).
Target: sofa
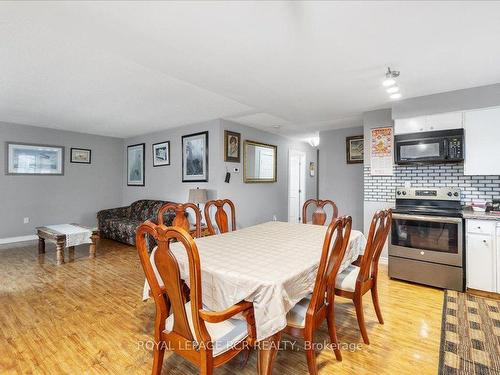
(120, 224)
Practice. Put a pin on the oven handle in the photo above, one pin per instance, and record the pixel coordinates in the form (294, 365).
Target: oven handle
(434, 219)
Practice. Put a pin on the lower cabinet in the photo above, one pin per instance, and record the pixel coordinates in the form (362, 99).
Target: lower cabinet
(483, 255)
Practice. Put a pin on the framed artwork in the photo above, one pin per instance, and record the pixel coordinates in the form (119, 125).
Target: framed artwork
(232, 146)
(135, 165)
(161, 154)
(195, 157)
(80, 155)
(34, 159)
(354, 149)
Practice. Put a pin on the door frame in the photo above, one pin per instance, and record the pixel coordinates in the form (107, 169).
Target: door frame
(302, 180)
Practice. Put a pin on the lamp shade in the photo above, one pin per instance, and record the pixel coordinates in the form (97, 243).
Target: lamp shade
(197, 196)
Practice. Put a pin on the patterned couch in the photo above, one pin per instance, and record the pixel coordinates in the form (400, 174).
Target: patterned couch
(120, 224)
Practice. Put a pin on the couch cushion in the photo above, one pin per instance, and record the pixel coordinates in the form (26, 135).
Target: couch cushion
(145, 209)
(121, 229)
(224, 335)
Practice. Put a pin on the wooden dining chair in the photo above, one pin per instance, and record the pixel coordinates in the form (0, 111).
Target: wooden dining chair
(181, 219)
(310, 312)
(361, 276)
(319, 214)
(208, 339)
(220, 215)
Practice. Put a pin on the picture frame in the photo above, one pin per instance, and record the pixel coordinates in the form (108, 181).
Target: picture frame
(33, 159)
(80, 155)
(354, 149)
(161, 154)
(232, 146)
(195, 157)
(136, 165)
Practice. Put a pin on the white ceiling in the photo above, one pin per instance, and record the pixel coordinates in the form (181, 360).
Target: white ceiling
(123, 69)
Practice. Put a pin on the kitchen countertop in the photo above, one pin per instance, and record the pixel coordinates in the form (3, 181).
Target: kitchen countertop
(469, 214)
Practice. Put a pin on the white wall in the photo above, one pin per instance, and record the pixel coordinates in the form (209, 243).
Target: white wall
(374, 119)
(339, 181)
(73, 198)
(255, 203)
(458, 100)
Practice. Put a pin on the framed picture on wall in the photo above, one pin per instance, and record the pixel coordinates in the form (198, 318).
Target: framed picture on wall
(80, 155)
(161, 154)
(354, 149)
(34, 159)
(195, 157)
(135, 165)
(232, 146)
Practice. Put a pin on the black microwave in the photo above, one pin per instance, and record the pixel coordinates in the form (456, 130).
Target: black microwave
(444, 146)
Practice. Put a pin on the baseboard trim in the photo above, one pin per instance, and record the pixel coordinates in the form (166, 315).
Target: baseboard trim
(383, 260)
(18, 239)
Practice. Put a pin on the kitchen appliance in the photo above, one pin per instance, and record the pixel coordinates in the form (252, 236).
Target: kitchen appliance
(442, 146)
(426, 244)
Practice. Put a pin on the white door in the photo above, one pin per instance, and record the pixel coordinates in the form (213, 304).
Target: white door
(296, 185)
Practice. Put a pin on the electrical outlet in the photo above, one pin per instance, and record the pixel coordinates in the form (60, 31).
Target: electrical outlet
(26, 220)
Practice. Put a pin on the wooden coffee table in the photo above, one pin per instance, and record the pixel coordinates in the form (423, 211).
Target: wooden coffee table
(47, 234)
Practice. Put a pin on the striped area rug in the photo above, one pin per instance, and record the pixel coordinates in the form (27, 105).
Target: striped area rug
(470, 335)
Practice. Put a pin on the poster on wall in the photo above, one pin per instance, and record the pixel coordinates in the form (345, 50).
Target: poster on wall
(195, 157)
(381, 153)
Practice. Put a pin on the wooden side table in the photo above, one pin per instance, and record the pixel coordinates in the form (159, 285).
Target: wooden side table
(47, 234)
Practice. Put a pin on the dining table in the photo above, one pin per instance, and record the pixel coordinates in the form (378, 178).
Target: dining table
(273, 265)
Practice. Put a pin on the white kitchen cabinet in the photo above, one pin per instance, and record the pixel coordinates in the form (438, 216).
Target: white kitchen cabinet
(441, 121)
(409, 125)
(482, 151)
(482, 256)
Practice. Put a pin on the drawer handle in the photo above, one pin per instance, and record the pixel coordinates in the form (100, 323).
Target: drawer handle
(485, 241)
(478, 227)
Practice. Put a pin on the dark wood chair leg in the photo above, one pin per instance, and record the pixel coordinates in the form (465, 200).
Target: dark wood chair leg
(246, 356)
(206, 366)
(158, 354)
(310, 355)
(358, 303)
(375, 302)
(332, 330)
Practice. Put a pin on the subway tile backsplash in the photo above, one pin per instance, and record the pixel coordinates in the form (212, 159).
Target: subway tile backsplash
(382, 188)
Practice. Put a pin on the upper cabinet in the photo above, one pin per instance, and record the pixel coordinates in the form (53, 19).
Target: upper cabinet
(442, 121)
(482, 149)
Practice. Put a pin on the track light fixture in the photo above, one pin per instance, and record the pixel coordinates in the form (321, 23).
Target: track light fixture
(390, 83)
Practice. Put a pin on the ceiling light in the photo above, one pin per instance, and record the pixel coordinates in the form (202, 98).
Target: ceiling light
(314, 142)
(392, 90)
(389, 82)
(396, 95)
(390, 76)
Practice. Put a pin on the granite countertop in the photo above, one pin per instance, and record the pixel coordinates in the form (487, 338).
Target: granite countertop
(469, 214)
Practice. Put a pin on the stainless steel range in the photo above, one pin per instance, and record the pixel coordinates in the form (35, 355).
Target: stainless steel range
(426, 244)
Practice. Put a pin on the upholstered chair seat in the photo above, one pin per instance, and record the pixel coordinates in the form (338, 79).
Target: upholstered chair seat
(225, 335)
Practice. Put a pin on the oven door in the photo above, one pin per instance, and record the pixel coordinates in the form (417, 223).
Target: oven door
(420, 150)
(428, 238)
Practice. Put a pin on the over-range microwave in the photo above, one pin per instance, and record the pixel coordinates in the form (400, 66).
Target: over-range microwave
(442, 146)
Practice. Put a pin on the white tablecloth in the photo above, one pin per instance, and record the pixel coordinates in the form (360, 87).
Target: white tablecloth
(273, 265)
(75, 235)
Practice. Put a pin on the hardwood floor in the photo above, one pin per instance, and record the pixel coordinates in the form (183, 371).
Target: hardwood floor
(87, 317)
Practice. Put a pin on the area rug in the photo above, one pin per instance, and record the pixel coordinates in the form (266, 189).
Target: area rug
(470, 335)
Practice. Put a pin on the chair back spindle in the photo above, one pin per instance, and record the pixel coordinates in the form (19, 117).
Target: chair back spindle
(180, 219)
(221, 218)
(319, 215)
